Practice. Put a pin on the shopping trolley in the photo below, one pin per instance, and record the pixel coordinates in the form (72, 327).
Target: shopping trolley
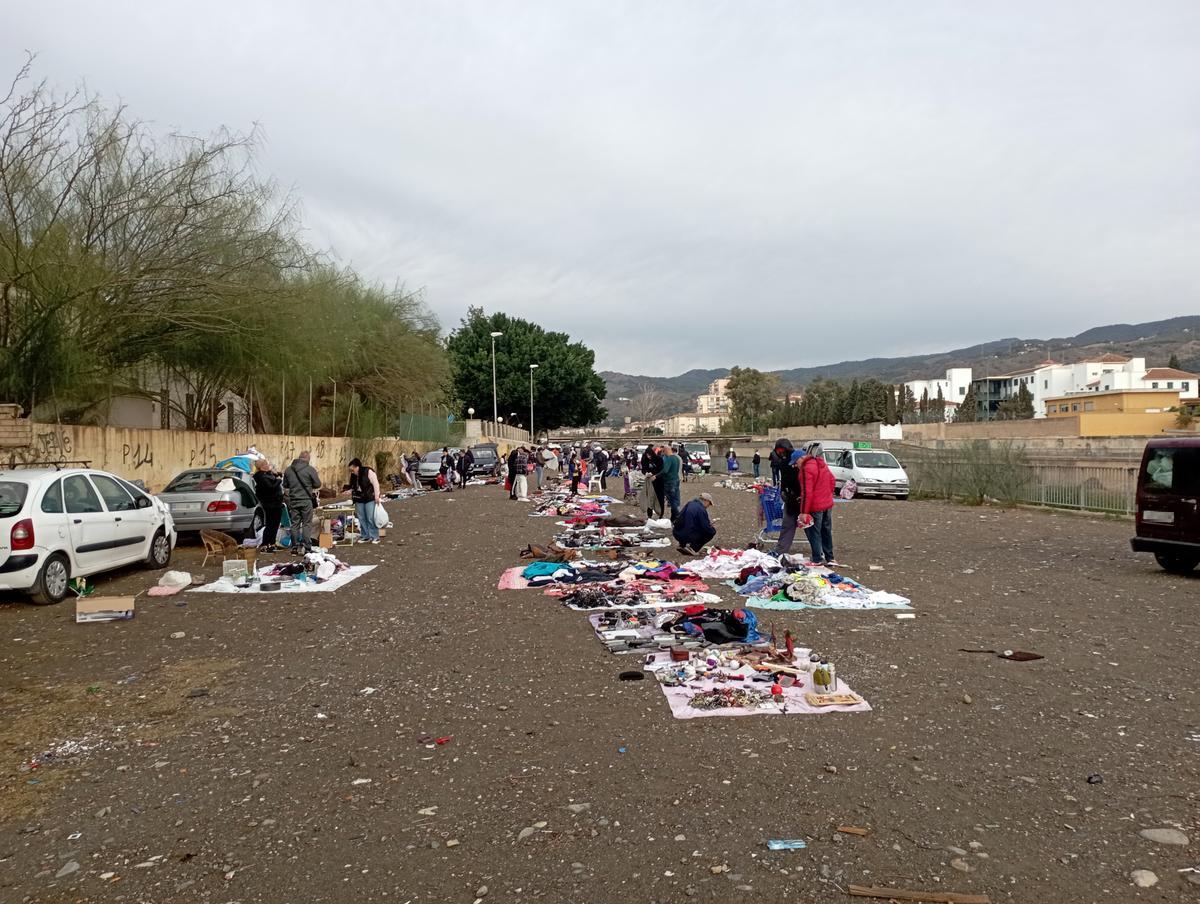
(770, 513)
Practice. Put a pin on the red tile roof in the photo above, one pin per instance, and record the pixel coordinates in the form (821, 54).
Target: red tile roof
(1109, 359)
(1168, 373)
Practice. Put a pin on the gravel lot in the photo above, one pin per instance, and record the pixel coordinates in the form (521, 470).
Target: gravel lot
(286, 782)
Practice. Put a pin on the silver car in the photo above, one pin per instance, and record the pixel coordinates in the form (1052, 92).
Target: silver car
(431, 463)
(196, 503)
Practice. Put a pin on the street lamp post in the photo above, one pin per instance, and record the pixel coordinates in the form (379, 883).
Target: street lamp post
(495, 412)
(532, 368)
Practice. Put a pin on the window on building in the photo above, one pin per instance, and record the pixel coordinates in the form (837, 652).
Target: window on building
(1089, 406)
(1045, 384)
(962, 390)
(1074, 406)
(1154, 385)
(1185, 385)
(1170, 384)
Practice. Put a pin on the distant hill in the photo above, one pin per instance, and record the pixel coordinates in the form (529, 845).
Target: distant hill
(1155, 341)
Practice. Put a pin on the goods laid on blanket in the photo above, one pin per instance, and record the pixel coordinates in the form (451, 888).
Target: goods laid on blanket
(709, 661)
(790, 582)
(562, 504)
(611, 538)
(316, 567)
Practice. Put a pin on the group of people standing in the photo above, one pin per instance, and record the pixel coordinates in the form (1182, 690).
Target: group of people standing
(808, 488)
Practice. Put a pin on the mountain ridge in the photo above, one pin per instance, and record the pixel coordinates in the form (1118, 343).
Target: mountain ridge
(1154, 340)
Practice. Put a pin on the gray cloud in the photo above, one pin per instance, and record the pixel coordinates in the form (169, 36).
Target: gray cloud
(774, 184)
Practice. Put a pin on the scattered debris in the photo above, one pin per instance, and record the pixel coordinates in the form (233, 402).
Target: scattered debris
(786, 844)
(854, 830)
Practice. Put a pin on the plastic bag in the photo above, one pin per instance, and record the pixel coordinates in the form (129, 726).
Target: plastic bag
(381, 516)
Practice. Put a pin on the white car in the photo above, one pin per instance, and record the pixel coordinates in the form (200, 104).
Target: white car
(876, 471)
(61, 524)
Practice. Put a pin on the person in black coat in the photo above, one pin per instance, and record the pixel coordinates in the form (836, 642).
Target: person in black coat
(268, 487)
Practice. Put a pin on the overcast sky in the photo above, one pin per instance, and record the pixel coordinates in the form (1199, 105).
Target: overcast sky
(702, 184)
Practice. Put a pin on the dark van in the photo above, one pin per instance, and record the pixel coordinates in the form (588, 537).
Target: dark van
(1168, 503)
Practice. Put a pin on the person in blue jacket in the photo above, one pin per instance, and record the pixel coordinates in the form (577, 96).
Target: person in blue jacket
(693, 528)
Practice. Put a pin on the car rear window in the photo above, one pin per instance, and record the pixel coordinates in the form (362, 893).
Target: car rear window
(196, 481)
(432, 456)
(12, 497)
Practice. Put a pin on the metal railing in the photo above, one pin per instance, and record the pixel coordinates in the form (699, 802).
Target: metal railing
(1094, 488)
(1006, 474)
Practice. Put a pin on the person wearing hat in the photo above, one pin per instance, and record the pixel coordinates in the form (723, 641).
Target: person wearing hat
(789, 488)
(693, 528)
(817, 485)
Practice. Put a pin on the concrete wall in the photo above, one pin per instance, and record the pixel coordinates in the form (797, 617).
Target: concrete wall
(155, 456)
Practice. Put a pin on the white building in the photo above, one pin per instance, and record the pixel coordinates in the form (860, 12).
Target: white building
(1103, 374)
(953, 388)
(691, 424)
(714, 401)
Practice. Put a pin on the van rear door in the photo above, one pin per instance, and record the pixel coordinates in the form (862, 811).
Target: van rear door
(1169, 494)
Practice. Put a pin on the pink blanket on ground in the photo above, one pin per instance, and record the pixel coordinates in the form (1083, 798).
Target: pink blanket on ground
(512, 580)
(793, 697)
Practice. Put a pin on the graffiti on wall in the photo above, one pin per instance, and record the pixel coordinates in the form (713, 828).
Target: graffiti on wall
(202, 455)
(135, 457)
(49, 445)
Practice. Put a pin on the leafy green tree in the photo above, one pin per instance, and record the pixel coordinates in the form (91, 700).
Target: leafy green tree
(166, 268)
(752, 395)
(567, 390)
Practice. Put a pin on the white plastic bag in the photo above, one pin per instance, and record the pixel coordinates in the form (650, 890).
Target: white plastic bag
(381, 517)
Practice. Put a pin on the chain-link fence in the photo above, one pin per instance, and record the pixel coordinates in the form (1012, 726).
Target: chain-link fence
(428, 425)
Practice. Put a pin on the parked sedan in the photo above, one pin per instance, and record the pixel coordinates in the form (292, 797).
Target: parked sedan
(214, 499)
(75, 522)
(431, 463)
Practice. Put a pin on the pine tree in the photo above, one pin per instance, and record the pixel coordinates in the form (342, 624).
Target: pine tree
(968, 408)
(854, 404)
(890, 414)
(1173, 361)
(937, 408)
(923, 406)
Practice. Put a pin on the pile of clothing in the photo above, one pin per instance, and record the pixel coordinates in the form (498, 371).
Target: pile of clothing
(610, 538)
(795, 585)
(692, 627)
(318, 565)
(618, 595)
(726, 564)
(559, 574)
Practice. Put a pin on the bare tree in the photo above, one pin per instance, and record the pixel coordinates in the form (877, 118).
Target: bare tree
(649, 403)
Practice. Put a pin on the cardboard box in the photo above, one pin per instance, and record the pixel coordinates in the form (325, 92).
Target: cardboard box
(103, 608)
(325, 540)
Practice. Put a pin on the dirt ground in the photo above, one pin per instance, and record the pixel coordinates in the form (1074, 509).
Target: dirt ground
(246, 762)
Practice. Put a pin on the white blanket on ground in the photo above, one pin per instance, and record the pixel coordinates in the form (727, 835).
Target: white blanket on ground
(289, 585)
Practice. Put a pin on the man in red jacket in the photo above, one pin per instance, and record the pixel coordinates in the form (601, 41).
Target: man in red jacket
(817, 487)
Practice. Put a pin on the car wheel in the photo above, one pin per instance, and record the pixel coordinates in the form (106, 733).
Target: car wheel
(53, 581)
(257, 523)
(160, 551)
(1177, 563)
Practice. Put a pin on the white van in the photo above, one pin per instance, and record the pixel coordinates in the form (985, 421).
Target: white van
(876, 471)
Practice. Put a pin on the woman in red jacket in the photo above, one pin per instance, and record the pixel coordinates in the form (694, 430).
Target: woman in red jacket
(817, 489)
